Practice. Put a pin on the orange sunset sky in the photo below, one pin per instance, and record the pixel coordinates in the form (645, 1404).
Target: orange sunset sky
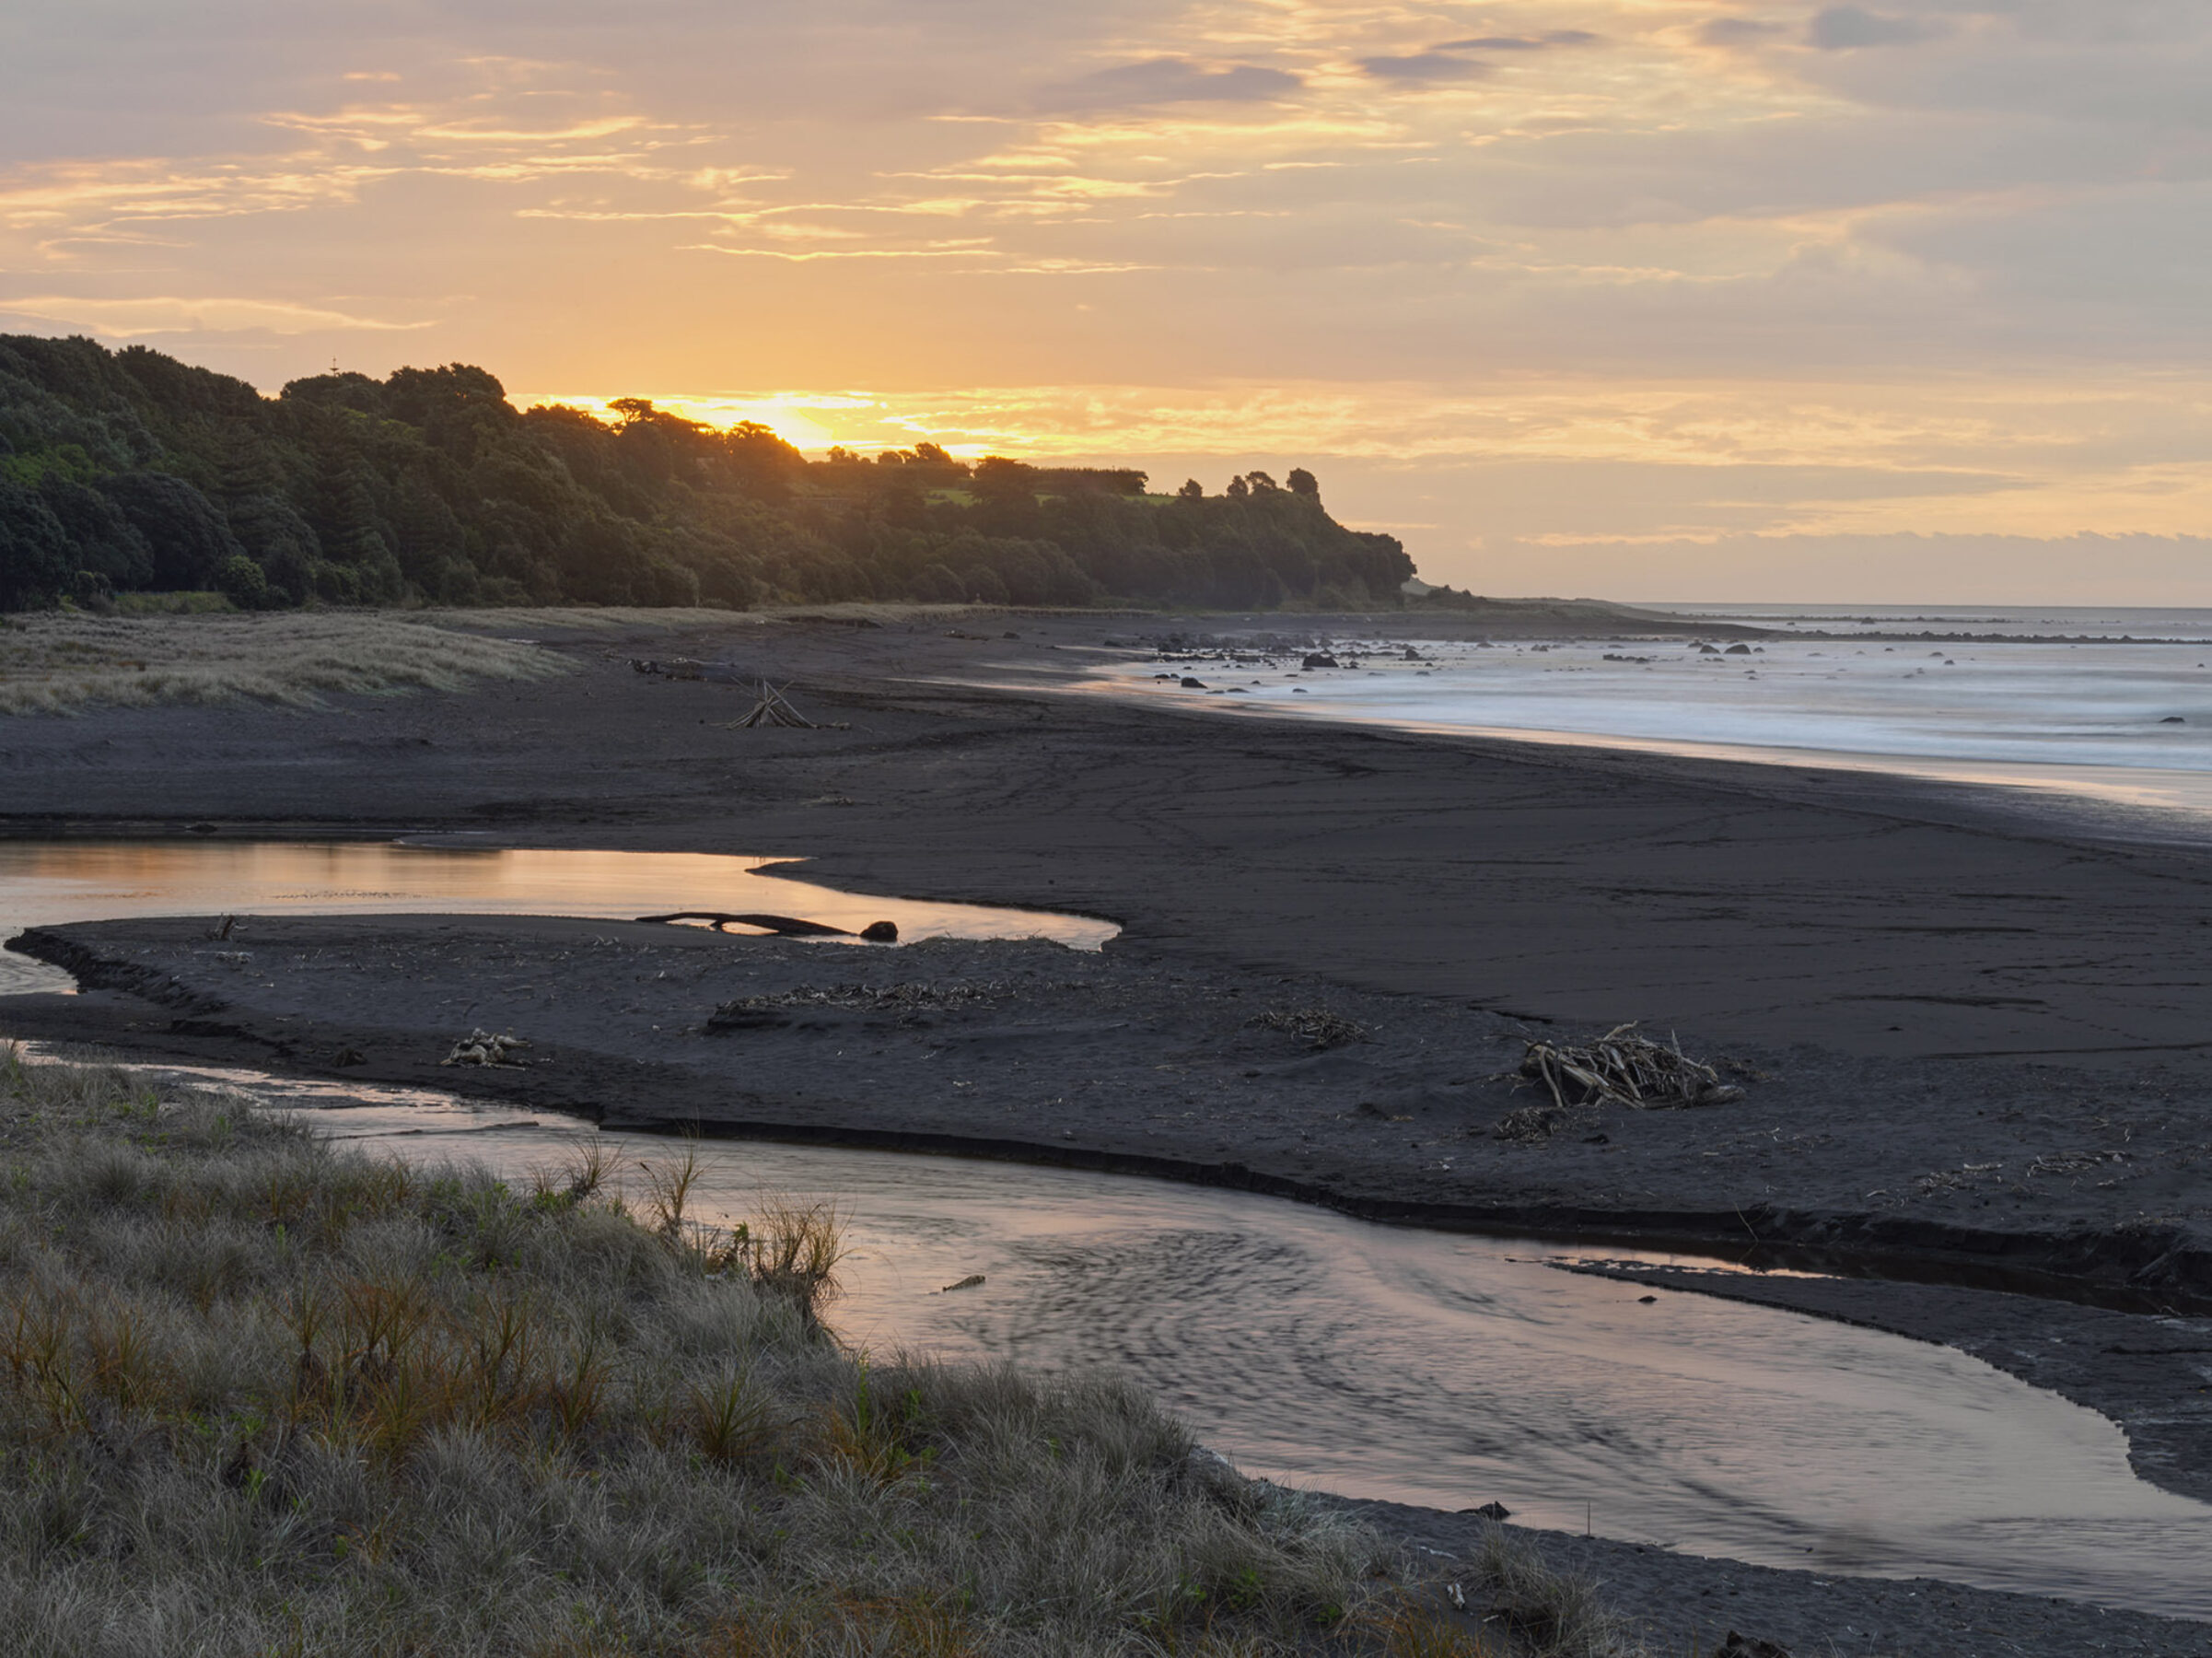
(1646, 298)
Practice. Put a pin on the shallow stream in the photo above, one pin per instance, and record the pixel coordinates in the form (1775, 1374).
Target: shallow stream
(45, 882)
(1421, 1366)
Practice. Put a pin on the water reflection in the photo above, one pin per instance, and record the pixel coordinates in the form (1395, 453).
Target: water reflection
(1451, 1371)
(48, 881)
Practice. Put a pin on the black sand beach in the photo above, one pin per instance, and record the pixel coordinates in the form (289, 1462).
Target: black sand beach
(1970, 1040)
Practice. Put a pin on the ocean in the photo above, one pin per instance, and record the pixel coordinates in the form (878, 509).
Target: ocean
(2106, 705)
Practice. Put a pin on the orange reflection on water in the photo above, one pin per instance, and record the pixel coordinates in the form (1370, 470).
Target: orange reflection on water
(43, 882)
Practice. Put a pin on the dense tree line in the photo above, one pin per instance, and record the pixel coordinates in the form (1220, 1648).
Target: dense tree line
(130, 471)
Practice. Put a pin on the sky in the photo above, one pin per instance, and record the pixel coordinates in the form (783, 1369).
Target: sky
(1757, 299)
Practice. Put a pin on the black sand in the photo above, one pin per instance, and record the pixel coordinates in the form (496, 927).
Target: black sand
(1971, 1037)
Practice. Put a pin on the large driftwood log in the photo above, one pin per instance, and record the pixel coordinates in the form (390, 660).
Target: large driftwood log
(790, 926)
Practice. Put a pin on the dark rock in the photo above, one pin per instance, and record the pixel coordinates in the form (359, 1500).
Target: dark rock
(1319, 658)
(724, 1020)
(1491, 1510)
(1192, 685)
(199, 828)
(349, 1055)
(880, 932)
(2173, 720)
(1738, 649)
(1749, 1646)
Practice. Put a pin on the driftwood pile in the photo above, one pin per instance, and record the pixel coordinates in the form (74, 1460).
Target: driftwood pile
(772, 710)
(1624, 1069)
(1318, 1026)
(776, 1009)
(480, 1048)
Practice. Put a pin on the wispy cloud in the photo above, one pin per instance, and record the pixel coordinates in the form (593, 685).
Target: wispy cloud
(164, 314)
(1463, 60)
(1167, 80)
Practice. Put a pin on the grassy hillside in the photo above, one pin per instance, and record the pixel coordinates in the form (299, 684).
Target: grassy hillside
(130, 472)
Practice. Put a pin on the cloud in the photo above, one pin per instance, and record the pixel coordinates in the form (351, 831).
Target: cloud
(1425, 67)
(1542, 42)
(1168, 80)
(1446, 61)
(129, 318)
(1845, 27)
(1739, 31)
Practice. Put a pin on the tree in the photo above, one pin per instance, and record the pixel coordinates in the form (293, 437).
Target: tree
(102, 541)
(996, 477)
(241, 581)
(429, 484)
(35, 555)
(186, 536)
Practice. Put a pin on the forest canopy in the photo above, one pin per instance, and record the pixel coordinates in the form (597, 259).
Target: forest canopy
(131, 472)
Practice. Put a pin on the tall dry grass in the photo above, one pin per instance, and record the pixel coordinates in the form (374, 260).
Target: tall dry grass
(62, 662)
(260, 1394)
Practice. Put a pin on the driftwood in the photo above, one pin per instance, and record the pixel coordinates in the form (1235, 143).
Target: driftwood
(481, 1047)
(910, 1003)
(1626, 1069)
(789, 927)
(1318, 1026)
(772, 710)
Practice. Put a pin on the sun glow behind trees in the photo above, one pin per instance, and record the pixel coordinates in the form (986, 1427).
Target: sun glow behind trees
(1562, 279)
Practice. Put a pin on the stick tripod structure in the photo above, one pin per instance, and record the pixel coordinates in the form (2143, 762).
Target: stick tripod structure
(772, 710)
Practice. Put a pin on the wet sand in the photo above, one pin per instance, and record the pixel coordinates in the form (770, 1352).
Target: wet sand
(1971, 1036)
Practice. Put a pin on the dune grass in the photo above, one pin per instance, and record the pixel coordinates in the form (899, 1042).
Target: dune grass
(62, 662)
(67, 661)
(262, 1394)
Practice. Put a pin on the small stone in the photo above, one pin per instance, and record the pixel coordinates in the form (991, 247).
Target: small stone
(1749, 1646)
(880, 932)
